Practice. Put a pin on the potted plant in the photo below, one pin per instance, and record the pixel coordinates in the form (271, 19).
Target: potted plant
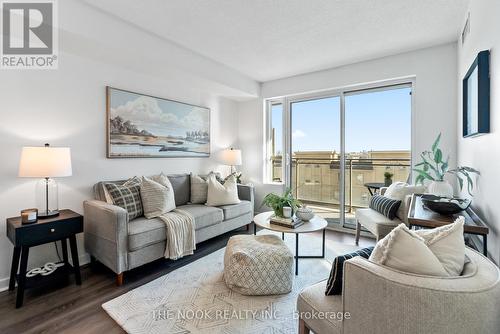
(433, 168)
(388, 178)
(277, 202)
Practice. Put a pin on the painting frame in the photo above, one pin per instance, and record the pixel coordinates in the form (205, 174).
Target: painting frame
(111, 154)
(476, 97)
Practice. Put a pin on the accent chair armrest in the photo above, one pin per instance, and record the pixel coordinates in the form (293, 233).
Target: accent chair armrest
(106, 233)
(384, 300)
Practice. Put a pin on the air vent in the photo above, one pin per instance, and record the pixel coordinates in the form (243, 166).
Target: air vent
(466, 29)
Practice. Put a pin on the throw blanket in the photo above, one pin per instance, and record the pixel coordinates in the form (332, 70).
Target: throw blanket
(180, 234)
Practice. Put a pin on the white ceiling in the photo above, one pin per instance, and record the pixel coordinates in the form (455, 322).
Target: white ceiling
(271, 39)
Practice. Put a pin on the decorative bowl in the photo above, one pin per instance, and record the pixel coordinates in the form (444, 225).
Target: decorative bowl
(304, 213)
(445, 205)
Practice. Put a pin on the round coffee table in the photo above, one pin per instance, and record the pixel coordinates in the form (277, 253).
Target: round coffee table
(315, 224)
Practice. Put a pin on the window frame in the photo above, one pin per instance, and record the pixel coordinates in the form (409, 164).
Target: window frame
(341, 92)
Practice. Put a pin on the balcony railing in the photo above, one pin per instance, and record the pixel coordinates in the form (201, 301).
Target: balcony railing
(317, 180)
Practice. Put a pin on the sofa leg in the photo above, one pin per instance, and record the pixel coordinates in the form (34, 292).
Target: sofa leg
(358, 232)
(303, 329)
(119, 279)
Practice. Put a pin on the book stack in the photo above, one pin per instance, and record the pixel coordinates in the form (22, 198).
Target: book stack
(286, 222)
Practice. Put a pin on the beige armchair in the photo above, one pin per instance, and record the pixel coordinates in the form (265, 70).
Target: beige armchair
(378, 299)
(378, 224)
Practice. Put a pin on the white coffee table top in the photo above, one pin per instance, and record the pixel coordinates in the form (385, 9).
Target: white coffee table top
(315, 224)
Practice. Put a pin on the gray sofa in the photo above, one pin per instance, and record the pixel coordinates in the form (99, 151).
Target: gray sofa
(122, 245)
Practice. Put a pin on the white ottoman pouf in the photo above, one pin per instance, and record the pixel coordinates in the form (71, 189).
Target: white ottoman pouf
(258, 265)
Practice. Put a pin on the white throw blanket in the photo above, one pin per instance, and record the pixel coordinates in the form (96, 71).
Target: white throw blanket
(180, 234)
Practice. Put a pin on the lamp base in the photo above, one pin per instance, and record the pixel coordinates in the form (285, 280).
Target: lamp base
(48, 214)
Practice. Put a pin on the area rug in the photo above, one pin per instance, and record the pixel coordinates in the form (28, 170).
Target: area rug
(195, 299)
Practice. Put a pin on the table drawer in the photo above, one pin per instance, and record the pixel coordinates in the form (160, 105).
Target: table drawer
(43, 233)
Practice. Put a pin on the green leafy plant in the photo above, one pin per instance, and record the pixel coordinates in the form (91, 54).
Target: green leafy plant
(433, 167)
(388, 175)
(277, 202)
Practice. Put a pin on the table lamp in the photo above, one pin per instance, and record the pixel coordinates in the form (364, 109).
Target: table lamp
(46, 162)
(232, 157)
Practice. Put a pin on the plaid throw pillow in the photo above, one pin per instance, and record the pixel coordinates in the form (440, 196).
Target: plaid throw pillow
(127, 196)
(384, 205)
(334, 284)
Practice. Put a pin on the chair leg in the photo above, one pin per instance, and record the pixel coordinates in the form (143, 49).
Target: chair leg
(119, 279)
(358, 232)
(303, 329)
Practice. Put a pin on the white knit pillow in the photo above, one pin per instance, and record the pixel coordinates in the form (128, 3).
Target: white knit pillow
(222, 194)
(404, 250)
(399, 191)
(447, 243)
(157, 198)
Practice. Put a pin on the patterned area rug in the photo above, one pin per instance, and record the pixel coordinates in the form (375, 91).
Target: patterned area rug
(195, 299)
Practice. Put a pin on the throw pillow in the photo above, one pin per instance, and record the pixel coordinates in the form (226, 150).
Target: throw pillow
(386, 206)
(157, 198)
(334, 283)
(222, 194)
(404, 250)
(447, 244)
(127, 196)
(399, 191)
(199, 189)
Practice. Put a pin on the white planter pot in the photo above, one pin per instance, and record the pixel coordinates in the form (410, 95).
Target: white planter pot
(440, 188)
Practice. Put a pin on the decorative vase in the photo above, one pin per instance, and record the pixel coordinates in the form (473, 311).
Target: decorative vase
(304, 213)
(440, 188)
(387, 181)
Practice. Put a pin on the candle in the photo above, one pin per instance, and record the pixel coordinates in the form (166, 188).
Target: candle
(29, 216)
(287, 212)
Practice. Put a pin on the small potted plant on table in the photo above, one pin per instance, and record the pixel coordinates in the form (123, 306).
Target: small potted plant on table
(388, 178)
(277, 202)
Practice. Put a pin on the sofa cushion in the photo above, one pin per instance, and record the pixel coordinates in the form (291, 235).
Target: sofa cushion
(182, 188)
(334, 282)
(384, 205)
(143, 232)
(127, 196)
(180, 183)
(235, 210)
(400, 191)
(312, 300)
(199, 189)
(404, 250)
(157, 196)
(204, 216)
(222, 194)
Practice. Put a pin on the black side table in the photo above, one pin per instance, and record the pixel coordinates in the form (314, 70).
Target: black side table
(65, 226)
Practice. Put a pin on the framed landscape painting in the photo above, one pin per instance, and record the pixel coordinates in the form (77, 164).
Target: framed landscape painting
(143, 126)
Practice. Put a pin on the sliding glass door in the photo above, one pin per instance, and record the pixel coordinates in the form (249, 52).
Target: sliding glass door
(315, 153)
(342, 146)
(377, 143)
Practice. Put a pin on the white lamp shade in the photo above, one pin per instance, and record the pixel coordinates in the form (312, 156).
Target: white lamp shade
(45, 162)
(231, 157)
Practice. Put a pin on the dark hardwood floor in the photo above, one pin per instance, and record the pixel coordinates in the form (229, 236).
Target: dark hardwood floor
(77, 309)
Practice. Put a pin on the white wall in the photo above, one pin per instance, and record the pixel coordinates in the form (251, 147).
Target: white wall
(483, 152)
(435, 101)
(66, 107)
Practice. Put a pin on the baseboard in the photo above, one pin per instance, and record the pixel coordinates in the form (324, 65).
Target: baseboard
(4, 282)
